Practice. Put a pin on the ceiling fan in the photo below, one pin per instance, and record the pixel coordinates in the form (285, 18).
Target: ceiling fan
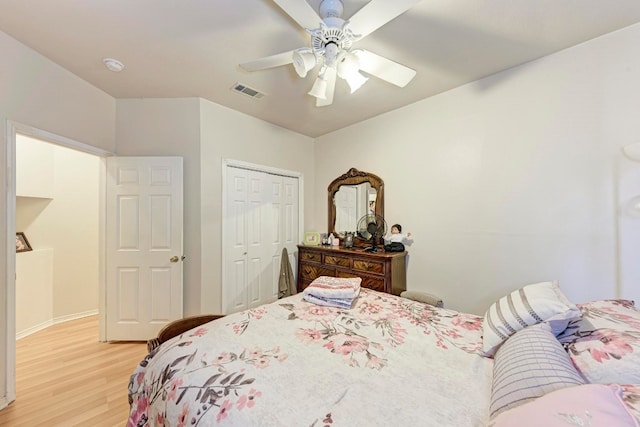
(331, 46)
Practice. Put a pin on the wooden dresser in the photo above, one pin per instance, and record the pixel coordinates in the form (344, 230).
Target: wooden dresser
(381, 271)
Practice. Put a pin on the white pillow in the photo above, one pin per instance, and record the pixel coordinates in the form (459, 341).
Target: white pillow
(530, 305)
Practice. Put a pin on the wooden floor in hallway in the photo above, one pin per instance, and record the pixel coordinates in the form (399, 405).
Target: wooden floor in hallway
(66, 377)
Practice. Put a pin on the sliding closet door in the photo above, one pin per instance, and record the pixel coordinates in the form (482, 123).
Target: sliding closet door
(259, 239)
(282, 209)
(260, 219)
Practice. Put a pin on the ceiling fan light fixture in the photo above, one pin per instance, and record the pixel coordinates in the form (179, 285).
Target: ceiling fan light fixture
(356, 80)
(319, 89)
(349, 64)
(303, 61)
(349, 70)
(331, 40)
(331, 52)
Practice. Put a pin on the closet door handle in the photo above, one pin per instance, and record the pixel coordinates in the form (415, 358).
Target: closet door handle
(174, 259)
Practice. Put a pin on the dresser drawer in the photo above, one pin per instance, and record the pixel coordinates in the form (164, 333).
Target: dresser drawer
(311, 272)
(368, 266)
(375, 283)
(340, 261)
(311, 256)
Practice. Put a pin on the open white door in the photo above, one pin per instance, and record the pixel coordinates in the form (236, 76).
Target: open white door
(143, 260)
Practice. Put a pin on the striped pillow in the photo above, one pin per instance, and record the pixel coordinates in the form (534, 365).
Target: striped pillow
(528, 365)
(532, 304)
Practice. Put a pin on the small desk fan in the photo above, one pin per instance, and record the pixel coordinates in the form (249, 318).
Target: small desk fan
(372, 227)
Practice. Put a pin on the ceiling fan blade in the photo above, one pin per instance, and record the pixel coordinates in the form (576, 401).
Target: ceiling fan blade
(272, 61)
(384, 68)
(330, 77)
(376, 13)
(301, 12)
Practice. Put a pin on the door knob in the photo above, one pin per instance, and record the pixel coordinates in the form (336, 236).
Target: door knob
(175, 258)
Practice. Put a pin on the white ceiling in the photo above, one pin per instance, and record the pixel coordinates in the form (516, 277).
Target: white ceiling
(192, 48)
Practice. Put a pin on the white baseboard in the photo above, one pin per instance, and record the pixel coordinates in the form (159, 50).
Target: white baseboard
(75, 316)
(54, 321)
(33, 329)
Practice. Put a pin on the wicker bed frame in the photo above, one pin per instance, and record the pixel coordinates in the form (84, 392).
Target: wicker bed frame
(179, 326)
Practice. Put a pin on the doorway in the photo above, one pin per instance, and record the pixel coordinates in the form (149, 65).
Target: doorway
(57, 205)
(8, 323)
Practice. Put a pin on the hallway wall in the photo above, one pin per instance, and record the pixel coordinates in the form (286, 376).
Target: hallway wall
(58, 280)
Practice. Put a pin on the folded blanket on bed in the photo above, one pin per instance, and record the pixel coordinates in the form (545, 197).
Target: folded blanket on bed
(329, 302)
(333, 291)
(334, 287)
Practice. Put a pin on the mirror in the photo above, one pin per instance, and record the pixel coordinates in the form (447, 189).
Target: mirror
(351, 196)
(351, 203)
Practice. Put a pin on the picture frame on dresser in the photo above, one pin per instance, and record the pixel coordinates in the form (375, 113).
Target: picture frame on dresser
(22, 244)
(311, 238)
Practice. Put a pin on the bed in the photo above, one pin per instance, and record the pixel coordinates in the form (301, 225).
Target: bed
(387, 360)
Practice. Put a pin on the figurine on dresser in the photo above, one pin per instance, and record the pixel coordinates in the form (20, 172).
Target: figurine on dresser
(396, 241)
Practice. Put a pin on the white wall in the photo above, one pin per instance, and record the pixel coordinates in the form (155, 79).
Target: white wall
(34, 291)
(36, 92)
(34, 168)
(75, 211)
(509, 180)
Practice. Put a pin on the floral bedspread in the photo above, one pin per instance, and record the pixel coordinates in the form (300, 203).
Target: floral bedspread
(604, 345)
(386, 361)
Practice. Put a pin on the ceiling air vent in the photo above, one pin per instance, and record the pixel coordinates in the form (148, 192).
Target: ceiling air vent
(246, 90)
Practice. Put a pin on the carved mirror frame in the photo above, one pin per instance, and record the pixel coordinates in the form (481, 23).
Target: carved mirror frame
(354, 177)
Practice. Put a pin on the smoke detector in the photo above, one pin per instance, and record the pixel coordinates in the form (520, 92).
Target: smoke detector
(113, 65)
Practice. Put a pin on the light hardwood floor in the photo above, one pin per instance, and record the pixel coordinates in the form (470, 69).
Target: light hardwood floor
(66, 377)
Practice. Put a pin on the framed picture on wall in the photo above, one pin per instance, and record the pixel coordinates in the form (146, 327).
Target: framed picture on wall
(22, 244)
